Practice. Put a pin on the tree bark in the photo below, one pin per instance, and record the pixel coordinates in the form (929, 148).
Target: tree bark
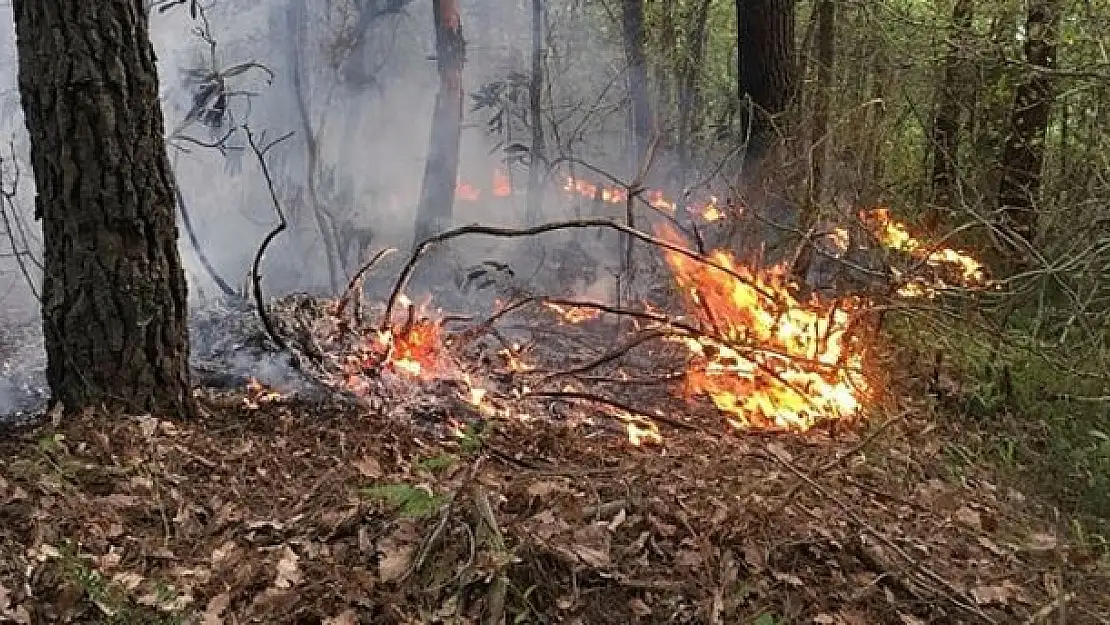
(535, 106)
(437, 195)
(114, 294)
(949, 118)
(1023, 154)
(767, 67)
(640, 123)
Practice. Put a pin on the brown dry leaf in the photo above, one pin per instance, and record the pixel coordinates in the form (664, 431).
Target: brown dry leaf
(543, 489)
(778, 451)
(987, 595)
(990, 546)
(909, 619)
(591, 545)
(369, 467)
(129, 581)
(1041, 542)
(288, 573)
(789, 578)
(213, 612)
(639, 608)
(347, 617)
(689, 558)
(824, 619)
(395, 553)
(968, 517)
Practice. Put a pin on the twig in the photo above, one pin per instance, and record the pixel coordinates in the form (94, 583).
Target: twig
(954, 594)
(191, 232)
(345, 299)
(495, 231)
(612, 403)
(610, 356)
(256, 279)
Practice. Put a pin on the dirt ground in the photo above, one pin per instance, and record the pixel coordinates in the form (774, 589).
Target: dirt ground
(280, 511)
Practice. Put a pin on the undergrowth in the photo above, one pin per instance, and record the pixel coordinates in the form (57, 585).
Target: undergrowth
(1015, 401)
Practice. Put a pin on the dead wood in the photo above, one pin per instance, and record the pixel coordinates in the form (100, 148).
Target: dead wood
(256, 278)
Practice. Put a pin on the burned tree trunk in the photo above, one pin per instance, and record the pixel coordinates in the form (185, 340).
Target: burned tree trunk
(767, 67)
(114, 293)
(1023, 154)
(535, 106)
(437, 195)
(948, 119)
(632, 25)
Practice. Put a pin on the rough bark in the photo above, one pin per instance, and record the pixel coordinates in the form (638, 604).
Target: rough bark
(640, 124)
(767, 67)
(949, 117)
(114, 293)
(437, 195)
(535, 105)
(1023, 154)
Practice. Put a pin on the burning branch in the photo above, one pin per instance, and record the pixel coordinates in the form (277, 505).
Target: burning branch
(495, 231)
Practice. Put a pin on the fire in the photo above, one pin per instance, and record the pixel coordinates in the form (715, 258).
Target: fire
(770, 360)
(414, 348)
(895, 236)
(466, 191)
(589, 190)
(502, 184)
(258, 394)
(573, 314)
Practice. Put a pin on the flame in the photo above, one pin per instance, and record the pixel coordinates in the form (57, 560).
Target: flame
(771, 361)
(467, 192)
(258, 394)
(574, 314)
(895, 236)
(502, 184)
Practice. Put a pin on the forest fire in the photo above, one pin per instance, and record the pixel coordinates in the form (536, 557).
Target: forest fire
(895, 236)
(770, 361)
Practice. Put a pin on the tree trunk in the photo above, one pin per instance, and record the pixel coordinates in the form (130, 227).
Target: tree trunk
(535, 105)
(949, 118)
(826, 33)
(689, 93)
(632, 22)
(1023, 154)
(437, 195)
(767, 68)
(114, 295)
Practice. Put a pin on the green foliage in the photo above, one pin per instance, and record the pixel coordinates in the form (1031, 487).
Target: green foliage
(438, 463)
(411, 501)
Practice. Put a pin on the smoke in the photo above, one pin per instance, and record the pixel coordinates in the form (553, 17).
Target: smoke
(363, 75)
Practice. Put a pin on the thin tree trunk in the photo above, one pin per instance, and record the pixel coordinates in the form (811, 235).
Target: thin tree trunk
(437, 195)
(535, 105)
(297, 23)
(640, 122)
(114, 292)
(1023, 154)
(767, 68)
(690, 93)
(949, 118)
(826, 34)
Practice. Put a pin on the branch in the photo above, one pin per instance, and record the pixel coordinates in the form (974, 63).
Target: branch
(256, 279)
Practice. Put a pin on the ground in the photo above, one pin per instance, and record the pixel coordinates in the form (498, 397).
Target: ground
(271, 510)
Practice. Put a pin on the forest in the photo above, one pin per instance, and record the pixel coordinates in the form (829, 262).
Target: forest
(554, 311)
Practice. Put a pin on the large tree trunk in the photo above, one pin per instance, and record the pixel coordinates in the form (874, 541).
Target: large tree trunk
(949, 117)
(1023, 154)
(632, 23)
(437, 196)
(767, 67)
(114, 294)
(535, 106)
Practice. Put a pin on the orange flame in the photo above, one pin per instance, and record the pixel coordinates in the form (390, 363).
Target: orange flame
(896, 236)
(573, 314)
(467, 192)
(502, 184)
(773, 361)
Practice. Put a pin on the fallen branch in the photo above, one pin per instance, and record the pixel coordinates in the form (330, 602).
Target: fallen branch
(256, 279)
(345, 299)
(951, 592)
(495, 231)
(612, 403)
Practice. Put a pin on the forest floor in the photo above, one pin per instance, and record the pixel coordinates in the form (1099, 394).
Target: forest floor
(274, 510)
